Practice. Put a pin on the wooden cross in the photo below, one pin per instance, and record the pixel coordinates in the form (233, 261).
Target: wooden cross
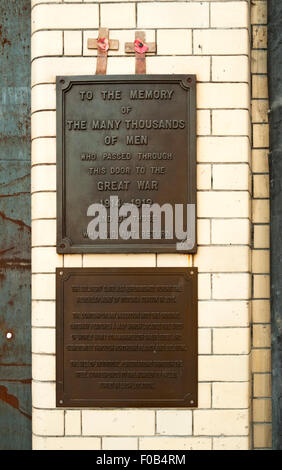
(140, 47)
(102, 44)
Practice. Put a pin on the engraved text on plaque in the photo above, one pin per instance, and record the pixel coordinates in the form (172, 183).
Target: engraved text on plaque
(126, 337)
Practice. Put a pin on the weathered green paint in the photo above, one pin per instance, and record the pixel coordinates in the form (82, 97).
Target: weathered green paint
(15, 355)
(275, 163)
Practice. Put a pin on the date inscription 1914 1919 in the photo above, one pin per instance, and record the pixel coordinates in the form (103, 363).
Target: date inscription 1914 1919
(124, 140)
(126, 337)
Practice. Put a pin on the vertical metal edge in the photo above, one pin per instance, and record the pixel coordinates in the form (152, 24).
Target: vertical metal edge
(189, 84)
(196, 323)
(59, 338)
(192, 278)
(59, 157)
(193, 152)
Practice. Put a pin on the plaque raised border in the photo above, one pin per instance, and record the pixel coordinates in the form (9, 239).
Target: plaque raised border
(177, 391)
(65, 243)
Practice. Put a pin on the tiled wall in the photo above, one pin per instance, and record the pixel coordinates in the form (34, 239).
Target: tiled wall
(261, 328)
(212, 40)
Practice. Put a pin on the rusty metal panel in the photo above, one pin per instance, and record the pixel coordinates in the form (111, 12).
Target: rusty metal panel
(132, 137)
(15, 354)
(126, 337)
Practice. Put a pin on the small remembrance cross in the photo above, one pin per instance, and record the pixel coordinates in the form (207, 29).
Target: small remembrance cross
(140, 47)
(102, 44)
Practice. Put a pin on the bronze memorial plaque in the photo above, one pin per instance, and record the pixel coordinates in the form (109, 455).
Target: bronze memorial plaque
(126, 337)
(126, 161)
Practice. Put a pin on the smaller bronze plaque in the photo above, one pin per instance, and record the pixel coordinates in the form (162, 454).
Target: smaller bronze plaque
(126, 337)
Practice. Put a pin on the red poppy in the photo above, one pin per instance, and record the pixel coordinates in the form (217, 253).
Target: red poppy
(103, 44)
(140, 46)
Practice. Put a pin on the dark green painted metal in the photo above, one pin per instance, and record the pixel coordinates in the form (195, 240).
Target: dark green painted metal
(15, 353)
(275, 161)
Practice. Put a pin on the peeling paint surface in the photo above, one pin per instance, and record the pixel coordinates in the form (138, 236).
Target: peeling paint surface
(275, 94)
(15, 349)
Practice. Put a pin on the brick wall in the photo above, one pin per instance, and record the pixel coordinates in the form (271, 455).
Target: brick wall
(212, 40)
(261, 334)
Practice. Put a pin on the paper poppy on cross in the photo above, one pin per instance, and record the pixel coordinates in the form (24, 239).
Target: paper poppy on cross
(102, 44)
(140, 47)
